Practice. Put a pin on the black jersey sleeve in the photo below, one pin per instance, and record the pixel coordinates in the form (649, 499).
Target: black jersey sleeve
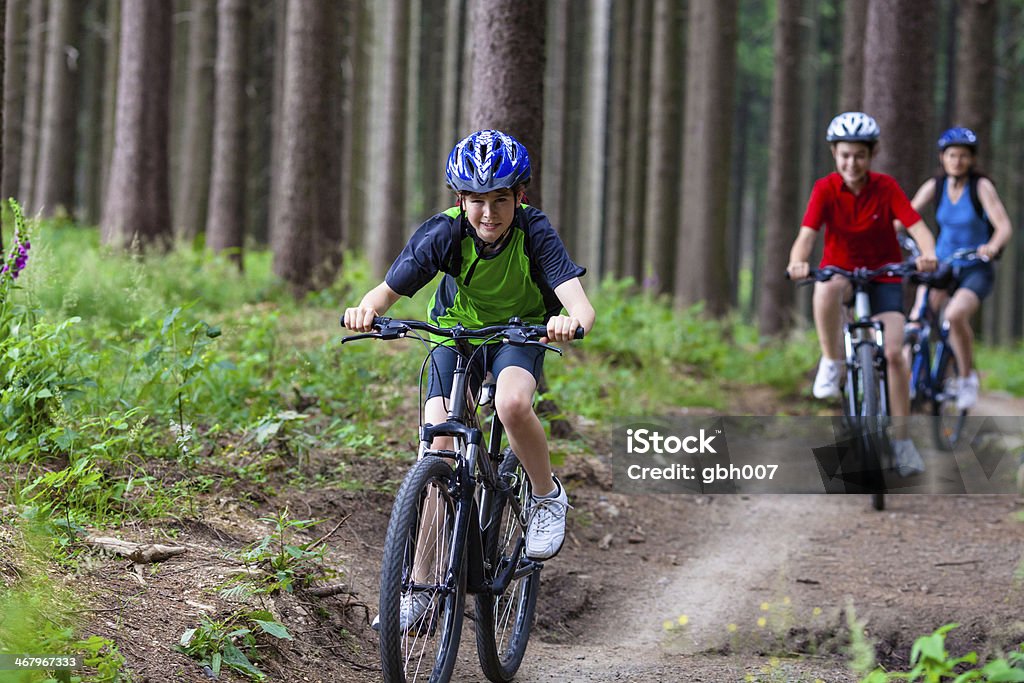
(428, 251)
(547, 251)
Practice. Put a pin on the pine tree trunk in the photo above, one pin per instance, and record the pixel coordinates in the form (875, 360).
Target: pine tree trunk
(508, 75)
(357, 123)
(225, 221)
(110, 77)
(776, 293)
(192, 190)
(90, 174)
(975, 71)
(258, 126)
(642, 140)
(137, 208)
(55, 175)
(386, 231)
(661, 174)
(710, 72)
(306, 232)
(14, 96)
(555, 90)
(899, 59)
(851, 89)
(36, 60)
(616, 232)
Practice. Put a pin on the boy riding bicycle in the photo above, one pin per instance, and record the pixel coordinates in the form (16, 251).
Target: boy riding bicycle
(858, 208)
(501, 258)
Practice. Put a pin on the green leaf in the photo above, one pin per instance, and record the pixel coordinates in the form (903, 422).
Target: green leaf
(274, 628)
(186, 637)
(236, 659)
(215, 663)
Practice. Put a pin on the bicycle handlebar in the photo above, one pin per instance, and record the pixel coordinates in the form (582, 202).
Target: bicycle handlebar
(939, 275)
(514, 332)
(860, 276)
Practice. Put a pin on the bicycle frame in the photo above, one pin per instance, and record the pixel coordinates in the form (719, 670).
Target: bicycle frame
(859, 331)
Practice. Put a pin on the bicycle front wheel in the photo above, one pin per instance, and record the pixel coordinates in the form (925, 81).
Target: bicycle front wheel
(422, 587)
(871, 425)
(503, 621)
(947, 420)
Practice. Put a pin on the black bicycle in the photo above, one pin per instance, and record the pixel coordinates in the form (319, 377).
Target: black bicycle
(458, 526)
(934, 379)
(866, 392)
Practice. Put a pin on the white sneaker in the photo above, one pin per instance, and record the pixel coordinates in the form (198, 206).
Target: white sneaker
(546, 531)
(967, 396)
(826, 383)
(410, 612)
(907, 461)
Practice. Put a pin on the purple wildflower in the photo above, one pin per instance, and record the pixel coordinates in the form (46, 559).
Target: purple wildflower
(20, 259)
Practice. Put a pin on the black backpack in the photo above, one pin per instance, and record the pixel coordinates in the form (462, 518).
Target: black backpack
(972, 189)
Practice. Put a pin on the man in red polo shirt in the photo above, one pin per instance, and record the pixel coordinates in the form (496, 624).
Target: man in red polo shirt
(857, 208)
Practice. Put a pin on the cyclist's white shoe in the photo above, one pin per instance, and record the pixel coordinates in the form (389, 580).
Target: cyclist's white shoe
(826, 383)
(967, 395)
(410, 611)
(907, 461)
(546, 531)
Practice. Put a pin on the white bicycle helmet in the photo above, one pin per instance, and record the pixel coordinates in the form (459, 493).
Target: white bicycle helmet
(852, 126)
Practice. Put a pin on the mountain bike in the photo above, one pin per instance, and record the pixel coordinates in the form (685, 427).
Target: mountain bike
(866, 392)
(934, 379)
(458, 526)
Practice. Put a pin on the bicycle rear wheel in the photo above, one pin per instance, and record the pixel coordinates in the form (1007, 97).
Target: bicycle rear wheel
(947, 420)
(871, 424)
(503, 621)
(417, 566)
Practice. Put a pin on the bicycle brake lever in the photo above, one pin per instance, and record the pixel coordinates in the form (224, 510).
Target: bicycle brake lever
(354, 337)
(546, 347)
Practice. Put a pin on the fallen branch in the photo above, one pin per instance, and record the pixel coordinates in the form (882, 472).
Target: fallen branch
(328, 591)
(138, 553)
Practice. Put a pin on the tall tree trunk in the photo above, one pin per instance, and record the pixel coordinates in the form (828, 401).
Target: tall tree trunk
(644, 127)
(508, 74)
(110, 78)
(453, 53)
(55, 175)
(357, 124)
(555, 98)
(277, 113)
(36, 59)
(192, 189)
(661, 173)
(776, 294)
(975, 70)
(387, 230)
(14, 96)
(90, 123)
(432, 150)
(710, 72)
(616, 232)
(899, 59)
(225, 220)
(589, 208)
(948, 11)
(307, 227)
(137, 208)
(851, 88)
(258, 111)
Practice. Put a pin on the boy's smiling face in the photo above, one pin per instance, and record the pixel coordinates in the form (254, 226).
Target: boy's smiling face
(490, 213)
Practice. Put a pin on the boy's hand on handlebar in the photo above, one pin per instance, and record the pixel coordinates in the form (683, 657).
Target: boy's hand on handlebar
(360, 318)
(926, 263)
(561, 328)
(798, 270)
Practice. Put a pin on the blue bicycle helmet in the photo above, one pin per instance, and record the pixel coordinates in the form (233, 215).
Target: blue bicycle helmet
(964, 137)
(487, 160)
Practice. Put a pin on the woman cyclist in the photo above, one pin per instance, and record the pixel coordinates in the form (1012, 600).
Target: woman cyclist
(858, 209)
(969, 215)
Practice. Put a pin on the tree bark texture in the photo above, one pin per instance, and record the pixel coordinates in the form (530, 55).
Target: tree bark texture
(192, 189)
(89, 172)
(110, 72)
(386, 231)
(306, 231)
(555, 98)
(851, 88)
(660, 175)
(899, 64)
(55, 175)
(710, 73)
(508, 74)
(975, 71)
(775, 292)
(14, 96)
(137, 207)
(618, 230)
(225, 220)
(36, 60)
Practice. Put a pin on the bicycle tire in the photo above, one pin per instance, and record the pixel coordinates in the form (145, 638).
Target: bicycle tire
(427, 650)
(872, 425)
(947, 421)
(503, 621)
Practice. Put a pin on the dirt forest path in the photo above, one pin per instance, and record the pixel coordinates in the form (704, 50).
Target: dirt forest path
(718, 588)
